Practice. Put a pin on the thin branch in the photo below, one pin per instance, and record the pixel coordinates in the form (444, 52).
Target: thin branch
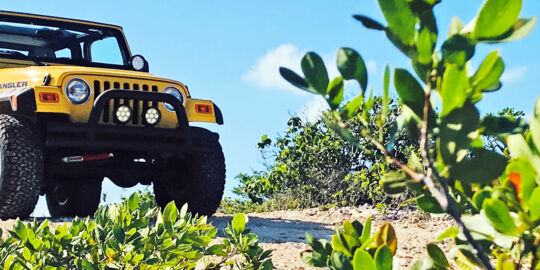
(439, 189)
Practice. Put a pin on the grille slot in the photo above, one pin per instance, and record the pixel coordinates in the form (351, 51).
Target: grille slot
(138, 106)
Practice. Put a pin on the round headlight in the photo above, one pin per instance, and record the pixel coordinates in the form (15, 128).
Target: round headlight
(138, 63)
(152, 116)
(171, 90)
(78, 91)
(123, 114)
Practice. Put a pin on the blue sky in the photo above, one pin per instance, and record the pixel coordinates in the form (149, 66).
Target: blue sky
(229, 51)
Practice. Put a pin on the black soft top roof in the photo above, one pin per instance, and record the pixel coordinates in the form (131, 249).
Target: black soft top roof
(20, 17)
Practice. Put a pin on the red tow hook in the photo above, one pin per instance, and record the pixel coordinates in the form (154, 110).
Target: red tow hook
(93, 157)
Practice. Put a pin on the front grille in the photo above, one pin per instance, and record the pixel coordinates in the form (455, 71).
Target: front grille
(138, 106)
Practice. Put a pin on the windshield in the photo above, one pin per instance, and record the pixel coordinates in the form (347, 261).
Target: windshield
(63, 44)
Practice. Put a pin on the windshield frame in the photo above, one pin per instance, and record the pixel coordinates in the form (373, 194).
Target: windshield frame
(73, 25)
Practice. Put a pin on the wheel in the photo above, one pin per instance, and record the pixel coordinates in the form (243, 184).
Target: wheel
(200, 181)
(21, 167)
(74, 198)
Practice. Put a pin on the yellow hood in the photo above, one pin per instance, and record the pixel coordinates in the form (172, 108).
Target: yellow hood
(34, 75)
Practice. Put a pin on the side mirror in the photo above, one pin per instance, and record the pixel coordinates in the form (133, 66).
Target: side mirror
(138, 63)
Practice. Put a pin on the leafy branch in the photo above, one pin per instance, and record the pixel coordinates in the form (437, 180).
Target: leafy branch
(456, 174)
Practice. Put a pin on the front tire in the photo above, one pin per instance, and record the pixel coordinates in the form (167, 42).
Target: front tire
(201, 178)
(21, 167)
(70, 199)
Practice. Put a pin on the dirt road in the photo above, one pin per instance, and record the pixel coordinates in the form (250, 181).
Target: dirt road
(284, 232)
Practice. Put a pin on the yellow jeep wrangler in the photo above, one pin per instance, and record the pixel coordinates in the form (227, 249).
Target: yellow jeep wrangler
(76, 106)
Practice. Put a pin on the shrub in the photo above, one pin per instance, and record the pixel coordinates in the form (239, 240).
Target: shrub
(493, 200)
(353, 247)
(314, 165)
(131, 235)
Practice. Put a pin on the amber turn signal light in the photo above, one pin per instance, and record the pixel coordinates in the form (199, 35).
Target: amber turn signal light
(48, 97)
(203, 108)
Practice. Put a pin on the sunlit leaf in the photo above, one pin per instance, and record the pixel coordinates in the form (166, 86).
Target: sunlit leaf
(496, 17)
(352, 67)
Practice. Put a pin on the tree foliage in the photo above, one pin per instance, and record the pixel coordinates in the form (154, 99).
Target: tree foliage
(492, 195)
(315, 165)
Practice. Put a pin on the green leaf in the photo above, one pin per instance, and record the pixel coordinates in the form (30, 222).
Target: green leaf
(335, 93)
(363, 261)
(437, 255)
(239, 223)
(429, 204)
(465, 259)
(424, 263)
(535, 125)
(119, 234)
(458, 49)
(518, 147)
(499, 215)
(394, 182)
(353, 107)
(133, 201)
(340, 243)
(386, 96)
(366, 231)
(349, 229)
(454, 88)
(451, 232)
(456, 25)
(425, 46)
(352, 67)
(534, 202)
(340, 261)
(488, 74)
(315, 73)
(20, 231)
(522, 173)
(401, 20)
(454, 139)
(383, 258)
(483, 166)
(496, 17)
(386, 235)
(295, 79)
(479, 197)
(410, 91)
(521, 29)
(170, 213)
(369, 23)
(505, 262)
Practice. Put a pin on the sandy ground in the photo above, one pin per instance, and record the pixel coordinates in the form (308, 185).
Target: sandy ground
(283, 232)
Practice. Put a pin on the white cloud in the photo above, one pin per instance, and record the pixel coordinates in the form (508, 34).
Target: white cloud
(313, 109)
(265, 72)
(514, 75)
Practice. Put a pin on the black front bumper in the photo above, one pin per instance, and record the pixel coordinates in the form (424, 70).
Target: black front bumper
(95, 136)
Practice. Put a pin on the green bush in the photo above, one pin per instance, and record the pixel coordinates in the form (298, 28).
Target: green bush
(132, 235)
(493, 196)
(353, 247)
(276, 203)
(315, 166)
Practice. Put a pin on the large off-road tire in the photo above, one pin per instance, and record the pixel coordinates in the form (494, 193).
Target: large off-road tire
(77, 198)
(21, 167)
(201, 178)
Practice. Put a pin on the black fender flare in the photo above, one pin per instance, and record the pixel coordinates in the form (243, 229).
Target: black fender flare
(20, 99)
